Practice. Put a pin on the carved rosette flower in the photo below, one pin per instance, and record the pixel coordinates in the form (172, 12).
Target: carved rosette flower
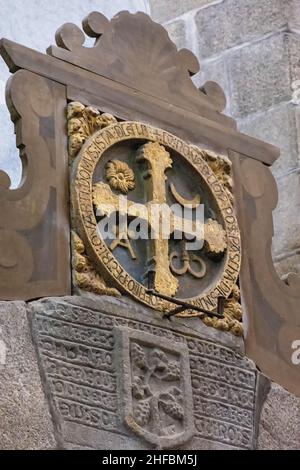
(120, 176)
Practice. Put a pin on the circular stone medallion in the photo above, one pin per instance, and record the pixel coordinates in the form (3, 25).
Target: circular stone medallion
(149, 165)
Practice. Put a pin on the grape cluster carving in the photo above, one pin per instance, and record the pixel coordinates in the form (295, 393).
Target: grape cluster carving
(155, 364)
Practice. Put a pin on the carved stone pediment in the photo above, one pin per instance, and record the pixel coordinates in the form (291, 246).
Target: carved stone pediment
(123, 53)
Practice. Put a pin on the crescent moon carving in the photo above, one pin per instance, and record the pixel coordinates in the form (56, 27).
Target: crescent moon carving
(191, 204)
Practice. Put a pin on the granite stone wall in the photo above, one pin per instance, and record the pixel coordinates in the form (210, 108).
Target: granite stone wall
(279, 426)
(25, 422)
(252, 49)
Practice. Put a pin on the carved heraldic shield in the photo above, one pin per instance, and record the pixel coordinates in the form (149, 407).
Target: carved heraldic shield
(155, 392)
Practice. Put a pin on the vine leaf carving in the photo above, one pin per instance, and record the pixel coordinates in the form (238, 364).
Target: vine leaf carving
(84, 121)
(85, 276)
(151, 403)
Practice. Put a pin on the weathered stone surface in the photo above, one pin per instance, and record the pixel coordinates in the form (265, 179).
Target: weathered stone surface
(25, 418)
(97, 354)
(254, 18)
(216, 71)
(177, 33)
(288, 263)
(234, 22)
(280, 421)
(278, 126)
(211, 28)
(168, 9)
(294, 47)
(260, 75)
(294, 15)
(286, 215)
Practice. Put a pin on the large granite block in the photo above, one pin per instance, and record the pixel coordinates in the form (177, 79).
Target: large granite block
(260, 75)
(177, 33)
(294, 15)
(288, 263)
(120, 377)
(215, 70)
(286, 215)
(235, 22)
(25, 418)
(278, 126)
(294, 47)
(280, 421)
(168, 9)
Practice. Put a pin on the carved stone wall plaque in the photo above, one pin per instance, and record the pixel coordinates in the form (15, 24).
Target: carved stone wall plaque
(99, 180)
(80, 358)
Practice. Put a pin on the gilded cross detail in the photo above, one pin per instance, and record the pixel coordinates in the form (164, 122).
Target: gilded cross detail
(159, 161)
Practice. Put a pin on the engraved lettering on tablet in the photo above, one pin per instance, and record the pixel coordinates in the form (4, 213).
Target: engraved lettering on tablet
(90, 372)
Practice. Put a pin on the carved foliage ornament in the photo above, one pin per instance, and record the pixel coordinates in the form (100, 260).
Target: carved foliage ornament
(146, 173)
(85, 275)
(155, 391)
(83, 121)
